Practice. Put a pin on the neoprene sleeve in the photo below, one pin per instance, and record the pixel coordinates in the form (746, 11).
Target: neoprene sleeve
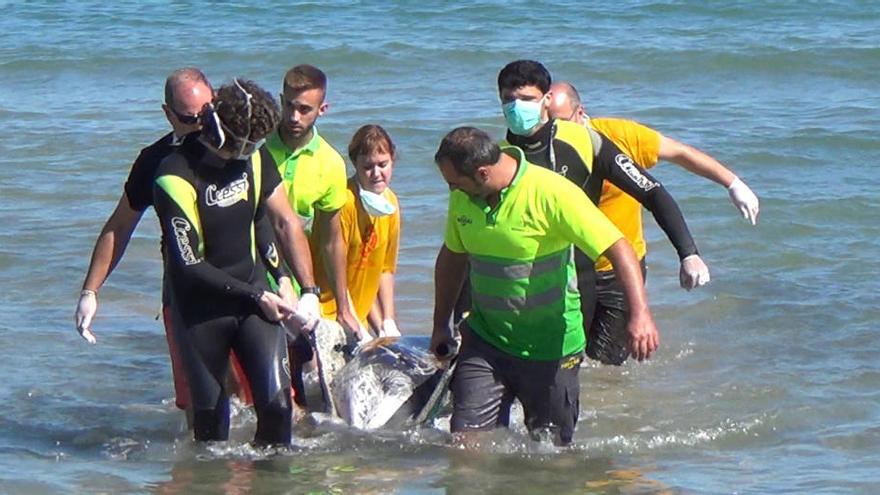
(613, 165)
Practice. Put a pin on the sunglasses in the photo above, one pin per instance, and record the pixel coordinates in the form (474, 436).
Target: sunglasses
(184, 118)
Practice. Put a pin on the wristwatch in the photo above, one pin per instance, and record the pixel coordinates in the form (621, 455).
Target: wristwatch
(311, 290)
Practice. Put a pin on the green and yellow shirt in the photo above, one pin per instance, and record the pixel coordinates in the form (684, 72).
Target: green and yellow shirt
(522, 274)
(313, 176)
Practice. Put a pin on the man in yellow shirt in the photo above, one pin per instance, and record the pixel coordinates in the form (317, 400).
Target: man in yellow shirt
(370, 221)
(646, 146)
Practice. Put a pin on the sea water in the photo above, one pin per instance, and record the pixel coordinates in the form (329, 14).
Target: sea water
(767, 378)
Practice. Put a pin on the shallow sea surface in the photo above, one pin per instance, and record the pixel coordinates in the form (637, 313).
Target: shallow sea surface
(767, 380)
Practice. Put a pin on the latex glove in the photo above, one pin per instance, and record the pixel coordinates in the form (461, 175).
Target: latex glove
(389, 329)
(744, 199)
(309, 306)
(85, 312)
(297, 324)
(305, 316)
(693, 273)
(364, 335)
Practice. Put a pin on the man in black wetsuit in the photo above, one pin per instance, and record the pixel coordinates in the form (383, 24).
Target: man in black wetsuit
(207, 195)
(588, 158)
(187, 91)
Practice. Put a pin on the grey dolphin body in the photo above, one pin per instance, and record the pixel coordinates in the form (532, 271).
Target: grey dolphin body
(391, 382)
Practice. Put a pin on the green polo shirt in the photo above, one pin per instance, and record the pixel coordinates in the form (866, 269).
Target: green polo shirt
(313, 176)
(522, 274)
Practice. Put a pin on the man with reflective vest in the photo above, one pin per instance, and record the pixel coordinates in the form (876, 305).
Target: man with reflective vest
(514, 225)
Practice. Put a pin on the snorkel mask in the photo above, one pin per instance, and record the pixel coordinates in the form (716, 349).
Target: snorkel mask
(216, 132)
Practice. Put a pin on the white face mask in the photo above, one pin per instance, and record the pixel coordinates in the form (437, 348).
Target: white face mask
(375, 204)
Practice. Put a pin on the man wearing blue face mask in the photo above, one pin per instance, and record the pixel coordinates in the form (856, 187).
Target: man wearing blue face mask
(588, 159)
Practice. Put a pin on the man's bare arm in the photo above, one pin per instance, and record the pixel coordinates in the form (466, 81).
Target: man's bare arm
(700, 163)
(108, 250)
(332, 244)
(449, 275)
(111, 243)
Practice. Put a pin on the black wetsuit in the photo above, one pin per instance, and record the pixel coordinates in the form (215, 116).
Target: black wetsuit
(206, 209)
(567, 157)
(139, 192)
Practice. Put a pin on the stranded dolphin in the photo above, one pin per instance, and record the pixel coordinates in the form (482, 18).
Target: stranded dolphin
(390, 382)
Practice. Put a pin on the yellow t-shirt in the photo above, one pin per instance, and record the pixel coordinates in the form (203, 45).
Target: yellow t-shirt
(642, 144)
(313, 176)
(371, 247)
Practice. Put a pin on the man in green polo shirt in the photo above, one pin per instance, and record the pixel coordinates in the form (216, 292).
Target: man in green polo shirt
(515, 223)
(313, 174)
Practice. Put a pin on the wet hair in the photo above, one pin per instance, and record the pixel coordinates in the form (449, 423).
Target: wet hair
(230, 103)
(467, 149)
(524, 73)
(304, 77)
(177, 78)
(370, 138)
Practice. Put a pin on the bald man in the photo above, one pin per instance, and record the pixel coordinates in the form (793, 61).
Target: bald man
(566, 105)
(187, 90)
(646, 146)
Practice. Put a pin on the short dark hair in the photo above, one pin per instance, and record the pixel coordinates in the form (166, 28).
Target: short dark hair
(180, 76)
(369, 138)
(230, 103)
(304, 77)
(524, 73)
(467, 149)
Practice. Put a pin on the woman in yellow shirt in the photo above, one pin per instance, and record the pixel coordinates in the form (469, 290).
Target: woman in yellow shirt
(371, 232)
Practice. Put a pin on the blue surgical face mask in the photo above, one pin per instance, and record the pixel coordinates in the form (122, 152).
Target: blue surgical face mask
(375, 204)
(522, 116)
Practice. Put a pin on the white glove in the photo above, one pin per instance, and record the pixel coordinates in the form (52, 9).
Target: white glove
(389, 329)
(309, 306)
(85, 312)
(693, 273)
(365, 336)
(744, 199)
(307, 314)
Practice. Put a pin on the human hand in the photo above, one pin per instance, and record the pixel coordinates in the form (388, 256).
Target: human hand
(309, 306)
(443, 343)
(389, 328)
(693, 272)
(273, 307)
(296, 324)
(644, 338)
(353, 328)
(86, 308)
(285, 290)
(744, 199)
